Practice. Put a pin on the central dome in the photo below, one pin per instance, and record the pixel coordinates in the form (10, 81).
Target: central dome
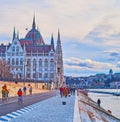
(34, 35)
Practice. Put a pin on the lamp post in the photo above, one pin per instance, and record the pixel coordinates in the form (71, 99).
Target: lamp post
(24, 73)
(35, 79)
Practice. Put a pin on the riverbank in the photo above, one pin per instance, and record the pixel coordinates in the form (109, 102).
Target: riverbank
(89, 110)
(108, 101)
(78, 108)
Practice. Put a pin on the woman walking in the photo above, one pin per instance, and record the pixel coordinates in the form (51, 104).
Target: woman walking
(20, 98)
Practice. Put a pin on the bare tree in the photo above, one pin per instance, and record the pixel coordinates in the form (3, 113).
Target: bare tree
(4, 69)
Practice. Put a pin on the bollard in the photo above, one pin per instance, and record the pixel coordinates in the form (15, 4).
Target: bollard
(64, 103)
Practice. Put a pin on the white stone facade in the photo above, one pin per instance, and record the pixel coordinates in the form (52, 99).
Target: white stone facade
(30, 58)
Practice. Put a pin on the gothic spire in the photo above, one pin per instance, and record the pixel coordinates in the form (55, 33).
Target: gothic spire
(52, 40)
(58, 35)
(59, 61)
(58, 48)
(34, 25)
(17, 34)
(14, 34)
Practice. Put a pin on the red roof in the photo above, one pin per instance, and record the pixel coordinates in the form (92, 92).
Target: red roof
(38, 48)
(27, 42)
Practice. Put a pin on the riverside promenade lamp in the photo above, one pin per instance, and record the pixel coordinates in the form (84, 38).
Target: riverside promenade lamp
(24, 73)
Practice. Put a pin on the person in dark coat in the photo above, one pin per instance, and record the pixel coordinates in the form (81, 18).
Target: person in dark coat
(98, 102)
(24, 89)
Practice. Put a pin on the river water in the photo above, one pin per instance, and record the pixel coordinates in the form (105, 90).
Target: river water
(108, 101)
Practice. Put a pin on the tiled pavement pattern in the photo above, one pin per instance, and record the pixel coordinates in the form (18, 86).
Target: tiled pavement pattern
(50, 110)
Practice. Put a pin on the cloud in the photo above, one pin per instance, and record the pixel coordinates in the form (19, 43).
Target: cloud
(85, 67)
(88, 29)
(113, 54)
(88, 63)
(118, 64)
(70, 16)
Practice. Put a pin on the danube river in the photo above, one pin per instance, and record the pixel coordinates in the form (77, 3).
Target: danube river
(108, 101)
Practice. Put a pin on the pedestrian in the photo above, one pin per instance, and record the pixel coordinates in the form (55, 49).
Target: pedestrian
(3, 94)
(6, 94)
(20, 98)
(61, 91)
(42, 86)
(24, 90)
(16, 82)
(65, 91)
(30, 90)
(98, 102)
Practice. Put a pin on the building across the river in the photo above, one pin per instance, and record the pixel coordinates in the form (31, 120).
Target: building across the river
(31, 58)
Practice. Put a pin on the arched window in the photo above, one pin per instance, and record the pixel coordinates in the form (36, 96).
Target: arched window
(28, 62)
(40, 63)
(13, 49)
(34, 64)
(51, 75)
(17, 62)
(46, 75)
(51, 62)
(17, 49)
(46, 63)
(13, 61)
(21, 61)
(40, 75)
(8, 60)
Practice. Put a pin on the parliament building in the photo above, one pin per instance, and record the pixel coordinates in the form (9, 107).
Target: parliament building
(31, 58)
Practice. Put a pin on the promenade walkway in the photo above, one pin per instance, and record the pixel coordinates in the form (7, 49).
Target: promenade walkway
(50, 110)
(78, 108)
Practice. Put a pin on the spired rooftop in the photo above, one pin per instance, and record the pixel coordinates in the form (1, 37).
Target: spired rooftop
(33, 36)
(31, 59)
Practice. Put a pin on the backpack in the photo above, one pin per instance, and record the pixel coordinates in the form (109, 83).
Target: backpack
(3, 92)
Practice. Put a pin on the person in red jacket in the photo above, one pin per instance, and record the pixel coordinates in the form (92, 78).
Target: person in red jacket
(20, 98)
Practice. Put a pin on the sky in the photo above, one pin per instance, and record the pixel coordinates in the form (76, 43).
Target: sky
(89, 29)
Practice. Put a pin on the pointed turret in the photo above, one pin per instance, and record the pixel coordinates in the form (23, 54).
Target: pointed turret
(58, 39)
(59, 62)
(52, 40)
(17, 34)
(34, 25)
(14, 34)
(58, 48)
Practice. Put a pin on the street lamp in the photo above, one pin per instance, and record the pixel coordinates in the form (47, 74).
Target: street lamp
(24, 73)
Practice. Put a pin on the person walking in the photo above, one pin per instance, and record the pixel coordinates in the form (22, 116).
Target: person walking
(24, 90)
(30, 90)
(61, 91)
(3, 95)
(6, 92)
(98, 102)
(20, 98)
(65, 91)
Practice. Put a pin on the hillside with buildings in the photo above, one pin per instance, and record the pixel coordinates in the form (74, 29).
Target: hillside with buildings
(110, 80)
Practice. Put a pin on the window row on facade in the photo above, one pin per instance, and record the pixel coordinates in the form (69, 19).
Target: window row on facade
(34, 63)
(40, 75)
